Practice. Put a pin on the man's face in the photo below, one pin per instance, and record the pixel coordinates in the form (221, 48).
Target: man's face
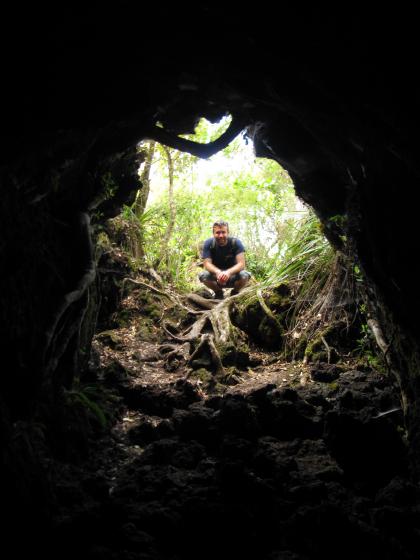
(220, 233)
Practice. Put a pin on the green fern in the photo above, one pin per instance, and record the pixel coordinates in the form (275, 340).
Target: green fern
(82, 397)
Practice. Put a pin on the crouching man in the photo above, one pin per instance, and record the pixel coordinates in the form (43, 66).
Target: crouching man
(224, 262)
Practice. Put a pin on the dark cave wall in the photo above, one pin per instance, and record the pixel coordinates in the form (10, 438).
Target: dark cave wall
(332, 99)
(49, 290)
(358, 171)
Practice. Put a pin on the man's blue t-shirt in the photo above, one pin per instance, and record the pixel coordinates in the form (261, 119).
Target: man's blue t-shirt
(222, 257)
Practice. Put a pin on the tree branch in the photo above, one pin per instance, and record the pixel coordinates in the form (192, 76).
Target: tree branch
(203, 151)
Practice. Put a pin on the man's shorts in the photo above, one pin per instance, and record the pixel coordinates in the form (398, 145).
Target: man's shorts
(242, 275)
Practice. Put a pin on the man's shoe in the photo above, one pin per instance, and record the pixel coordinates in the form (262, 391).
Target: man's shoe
(218, 295)
(234, 292)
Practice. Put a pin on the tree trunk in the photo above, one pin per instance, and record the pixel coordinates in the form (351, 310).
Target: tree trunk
(142, 197)
(172, 209)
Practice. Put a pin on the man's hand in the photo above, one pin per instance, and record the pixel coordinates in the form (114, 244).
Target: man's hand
(223, 277)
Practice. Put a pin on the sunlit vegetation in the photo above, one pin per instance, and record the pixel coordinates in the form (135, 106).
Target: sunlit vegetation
(187, 195)
(286, 250)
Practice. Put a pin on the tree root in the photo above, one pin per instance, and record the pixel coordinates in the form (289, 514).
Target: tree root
(169, 296)
(327, 348)
(174, 355)
(202, 302)
(207, 343)
(211, 332)
(379, 336)
(61, 328)
(210, 337)
(264, 306)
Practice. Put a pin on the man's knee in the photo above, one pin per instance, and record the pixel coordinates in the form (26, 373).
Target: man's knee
(244, 276)
(241, 277)
(206, 276)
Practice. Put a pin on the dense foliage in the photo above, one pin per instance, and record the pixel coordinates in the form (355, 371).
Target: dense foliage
(255, 196)
(284, 241)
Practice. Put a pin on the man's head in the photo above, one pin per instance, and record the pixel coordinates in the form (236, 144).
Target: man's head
(221, 232)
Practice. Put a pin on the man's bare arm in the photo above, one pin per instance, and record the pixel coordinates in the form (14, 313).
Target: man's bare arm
(240, 264)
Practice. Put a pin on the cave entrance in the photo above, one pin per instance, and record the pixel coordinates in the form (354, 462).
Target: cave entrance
(183, 195)
(302, 298)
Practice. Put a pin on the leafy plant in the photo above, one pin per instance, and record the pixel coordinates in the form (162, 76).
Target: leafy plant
(323, 286)
(85, 397)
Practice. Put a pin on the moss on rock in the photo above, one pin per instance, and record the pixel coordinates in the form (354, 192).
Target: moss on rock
(111, 338)
(265, 329)
(234, 353)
